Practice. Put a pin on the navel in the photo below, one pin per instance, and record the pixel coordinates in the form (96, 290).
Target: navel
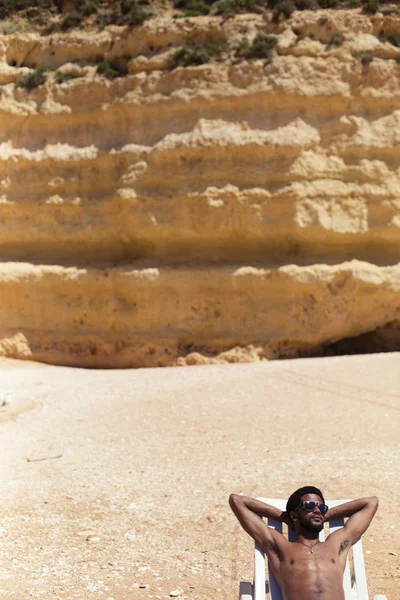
(292, 562)
(333, 560)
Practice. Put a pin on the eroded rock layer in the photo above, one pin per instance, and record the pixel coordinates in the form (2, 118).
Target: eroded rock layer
(204, 212)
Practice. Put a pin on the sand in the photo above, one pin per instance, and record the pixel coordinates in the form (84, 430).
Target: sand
(115, 484)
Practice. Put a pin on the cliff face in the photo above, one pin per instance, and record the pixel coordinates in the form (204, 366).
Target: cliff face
(239, 209)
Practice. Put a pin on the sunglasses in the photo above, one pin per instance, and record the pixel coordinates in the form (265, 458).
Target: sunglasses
(309, 506)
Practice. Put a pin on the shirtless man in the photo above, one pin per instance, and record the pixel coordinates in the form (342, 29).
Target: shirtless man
(306, 569)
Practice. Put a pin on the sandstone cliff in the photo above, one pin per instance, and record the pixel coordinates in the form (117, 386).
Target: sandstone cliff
(239, 209)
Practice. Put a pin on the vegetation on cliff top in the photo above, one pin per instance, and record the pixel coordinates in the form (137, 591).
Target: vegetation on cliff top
(48, 16)
(280, 8)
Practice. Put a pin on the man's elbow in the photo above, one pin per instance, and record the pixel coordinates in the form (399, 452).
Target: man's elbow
(372, 504)
(234, 500)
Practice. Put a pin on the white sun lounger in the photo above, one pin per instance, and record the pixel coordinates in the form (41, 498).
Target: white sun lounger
(354, 579)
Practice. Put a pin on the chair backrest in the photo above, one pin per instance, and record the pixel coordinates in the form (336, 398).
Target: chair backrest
(354, 579)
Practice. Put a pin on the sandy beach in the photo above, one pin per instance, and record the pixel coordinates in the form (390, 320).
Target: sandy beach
(115, 484)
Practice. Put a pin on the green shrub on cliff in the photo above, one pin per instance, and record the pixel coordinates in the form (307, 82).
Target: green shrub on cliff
(89, 7)
(370, 6)
(393, 39)
(306, 4)
(330, 3)
(32, 80)
(71, 20)
(196, 55)
(228, 8)
(285, 8)
(193, 8)
(261, 47)
(125, 12)
(110, 70)
(63, 77)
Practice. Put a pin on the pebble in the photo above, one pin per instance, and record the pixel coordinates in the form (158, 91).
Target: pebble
(142, 570)
(93, 539)
(175, 593)
(5, 399)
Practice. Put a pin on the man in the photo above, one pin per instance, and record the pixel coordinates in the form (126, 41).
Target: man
(306, 569)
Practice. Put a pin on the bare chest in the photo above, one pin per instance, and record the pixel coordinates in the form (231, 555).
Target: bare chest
(307, 574)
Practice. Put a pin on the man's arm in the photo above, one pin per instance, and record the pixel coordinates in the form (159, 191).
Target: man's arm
(360, 513)
(249, 512)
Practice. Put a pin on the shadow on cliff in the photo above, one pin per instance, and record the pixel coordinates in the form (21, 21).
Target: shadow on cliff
(383, 339)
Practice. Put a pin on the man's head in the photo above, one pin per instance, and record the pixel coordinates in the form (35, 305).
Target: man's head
(304, 516)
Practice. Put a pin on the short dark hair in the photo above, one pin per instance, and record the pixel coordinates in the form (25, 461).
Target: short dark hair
(295, 498)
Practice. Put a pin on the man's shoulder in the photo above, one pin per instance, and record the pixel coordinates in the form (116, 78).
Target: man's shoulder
(275, 543)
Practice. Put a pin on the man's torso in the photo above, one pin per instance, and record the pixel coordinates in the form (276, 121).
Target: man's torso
(302, 575)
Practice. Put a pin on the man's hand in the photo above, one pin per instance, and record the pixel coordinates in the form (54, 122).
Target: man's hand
(286, 519)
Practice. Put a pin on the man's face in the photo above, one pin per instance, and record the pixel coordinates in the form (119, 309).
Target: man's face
(313, 521)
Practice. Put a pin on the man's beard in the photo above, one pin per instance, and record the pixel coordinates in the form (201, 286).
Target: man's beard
(314, 527)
